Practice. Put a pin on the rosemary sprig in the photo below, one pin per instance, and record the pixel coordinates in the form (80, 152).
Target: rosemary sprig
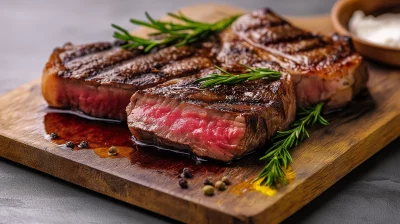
(185, 32)
(227, 78)
(277, 156)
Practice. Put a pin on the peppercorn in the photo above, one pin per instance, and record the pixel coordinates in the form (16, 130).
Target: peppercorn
(83, 145)
(70, 144)
(208, 190)
(220, 185)
(208, 182)
(112, 151)
(226, 180)
(53, 136)
(187, 173)
(183, 183)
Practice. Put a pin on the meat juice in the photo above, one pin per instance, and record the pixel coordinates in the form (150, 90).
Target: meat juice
(101, 135)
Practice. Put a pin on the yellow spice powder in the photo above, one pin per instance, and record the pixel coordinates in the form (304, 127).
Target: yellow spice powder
(266, 190)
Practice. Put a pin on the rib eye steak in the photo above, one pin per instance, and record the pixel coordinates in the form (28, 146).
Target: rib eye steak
(221, 123)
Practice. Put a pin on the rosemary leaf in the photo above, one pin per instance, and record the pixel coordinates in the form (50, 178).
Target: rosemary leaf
(227, 78)
(277, 156)
(186, 32)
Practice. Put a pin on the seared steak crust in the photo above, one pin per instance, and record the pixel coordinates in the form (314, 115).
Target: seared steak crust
(99, 79)
(324, 68)
(167, 108)
(221, 123)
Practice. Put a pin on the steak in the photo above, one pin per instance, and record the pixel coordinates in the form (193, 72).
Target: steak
(222, 123)
(99, 79)
(167, 108)
(324, 68)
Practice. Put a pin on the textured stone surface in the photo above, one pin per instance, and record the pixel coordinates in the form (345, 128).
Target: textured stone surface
(31, 29)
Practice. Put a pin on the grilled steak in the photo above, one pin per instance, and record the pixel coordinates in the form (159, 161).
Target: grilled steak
(99, 79)
(221, 123)
(323, 68)
(224, 122)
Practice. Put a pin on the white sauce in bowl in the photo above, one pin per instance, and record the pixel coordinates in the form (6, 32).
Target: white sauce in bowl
(383, 29)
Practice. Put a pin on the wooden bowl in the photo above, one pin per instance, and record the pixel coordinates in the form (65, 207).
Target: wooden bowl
(341, 14)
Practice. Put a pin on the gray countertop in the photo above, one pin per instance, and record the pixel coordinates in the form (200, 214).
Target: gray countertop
(31, 29)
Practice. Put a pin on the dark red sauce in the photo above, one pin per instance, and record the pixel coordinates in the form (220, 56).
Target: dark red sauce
(102, 135)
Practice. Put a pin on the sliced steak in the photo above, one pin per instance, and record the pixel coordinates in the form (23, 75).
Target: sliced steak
(99, 79)
(221, 123)
(323, 68)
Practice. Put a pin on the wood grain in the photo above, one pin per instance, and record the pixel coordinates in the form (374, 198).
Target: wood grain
(354, 135)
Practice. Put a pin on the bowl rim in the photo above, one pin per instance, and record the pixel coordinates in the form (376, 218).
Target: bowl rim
(337, 8)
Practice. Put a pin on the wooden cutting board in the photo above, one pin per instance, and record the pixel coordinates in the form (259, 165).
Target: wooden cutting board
(147, 178)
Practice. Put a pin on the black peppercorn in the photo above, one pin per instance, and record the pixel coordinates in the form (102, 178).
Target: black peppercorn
(70, 144)
(208, 182)
(187, 173)
(53, 136)
(183, 183)
(83, 145)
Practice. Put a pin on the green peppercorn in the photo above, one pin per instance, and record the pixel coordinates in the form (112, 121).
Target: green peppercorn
(226, 180)
(220, 185)
(112, 151)
(208, 190)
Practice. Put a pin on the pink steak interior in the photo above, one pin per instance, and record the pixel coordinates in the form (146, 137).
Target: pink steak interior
(205, 130)
(101, 101)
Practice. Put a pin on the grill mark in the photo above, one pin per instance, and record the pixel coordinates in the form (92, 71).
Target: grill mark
(234, 52)
(296, 46)
(277, 34)
(280, 41)
(128, 71)
(258, 24)
(186, 65)
(91, 64)
(145, 80)
(322, 54)
(258, 19)
(191, 94)
(73, 52)
(248, 97)
(174, 69)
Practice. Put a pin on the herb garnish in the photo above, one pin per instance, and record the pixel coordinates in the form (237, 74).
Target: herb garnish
(227, 78)
(186, 32)
(278, 156)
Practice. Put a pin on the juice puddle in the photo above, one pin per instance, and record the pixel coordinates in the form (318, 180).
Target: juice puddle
(102, 135)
